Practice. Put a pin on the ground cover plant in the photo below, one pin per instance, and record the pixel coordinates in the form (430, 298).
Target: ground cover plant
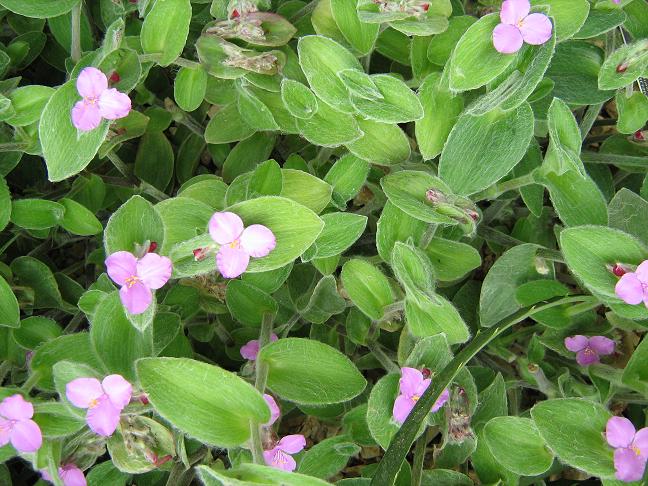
(297, 243)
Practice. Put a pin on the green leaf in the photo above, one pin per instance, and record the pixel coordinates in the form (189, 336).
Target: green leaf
(190, 87)
(254, 112)
(360, 35)
(568, 15)
(381, 143)
(117, 342)
(516, 444)
(441, 110)
(321, 59)
(628, 212)
(600, 21)
(396, 225)
(247, 303)
(441, 45)
(155, 161)
(633, 111)
(445, 477)
(34, 331)
(267, 179)
(182, 219)
(328, 127)
(324, 302)
(429, 314)
(299, 99)
(310, 372)
(635, 374)
(450, 259)
(328, 457)
(340, 231)
(347, 176)
(28, 103)
(5, 203)
(475, 61)
(66, 150)
(574, 429)
(367, 287)
(165, 29)
(247, 155)
(39, 9)
(36, 214)
(31, 272)
(306, 189)
(134, 223)
(205, 402)
(631, 58)
(227, 126)
(360, 84)
(482, 149)
(248, 474)
(411, 267)
(9, 310)
(396, 104)
(78, 219)
(588, 249)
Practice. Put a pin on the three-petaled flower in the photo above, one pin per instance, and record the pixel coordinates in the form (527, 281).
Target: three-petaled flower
(410, 388)
(250, 349)
(518, 26)
(632, 287)
(137, 276)
(16, 425)
(70, 474)
(630, 448)
(589, 349)
(280, 455)
(104, 400)
(238, 243)
(98, 101)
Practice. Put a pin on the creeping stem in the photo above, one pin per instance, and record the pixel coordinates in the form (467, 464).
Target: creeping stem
(400, 445)
(260, 384)
(75, 48)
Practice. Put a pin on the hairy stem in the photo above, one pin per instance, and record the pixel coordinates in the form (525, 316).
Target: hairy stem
(500, 188)
(75, 48)
(260, 384)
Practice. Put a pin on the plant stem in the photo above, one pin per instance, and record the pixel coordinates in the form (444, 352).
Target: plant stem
(500, 188)
(13, 146)
(30, 382)
(381, 356)
(5, 367)
(419, 459)
(260, 384)
(588, 120)
(400, 445)
(182, 62)
(75, 48)
(120, 165)
(427, 236)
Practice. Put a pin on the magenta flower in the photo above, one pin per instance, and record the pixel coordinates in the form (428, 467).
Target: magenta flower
(238, 244)
(98, 101)
(16, 425)
(104, 400)
(631, 448)
(632, 287)
(279, 456)
(519, 26)
(251, 348)
(274, 409)
(410, 388)
(137, 277)
(589, 350)
(69, 474)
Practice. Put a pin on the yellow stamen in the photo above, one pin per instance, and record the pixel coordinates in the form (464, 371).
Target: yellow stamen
(636, 450)
(93, 403)
(234, 244)
(415, 398)
(132, 280)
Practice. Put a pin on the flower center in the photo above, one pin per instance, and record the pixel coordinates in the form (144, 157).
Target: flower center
(132, 280)
(589, 352)
(280, 457)
(91, 101)
(93, 403)
(235, 244)
(636, 450)
(415, 398)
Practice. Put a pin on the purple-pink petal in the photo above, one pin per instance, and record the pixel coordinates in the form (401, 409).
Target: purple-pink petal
(231, 262)
(26, 436)
(81, 392)
(403, 405)
(619, 432)
(250, 349)
(15, 407)
(136, 298)
(154, 270)
(576, 343)
(257, 240)
(292, 444)
(602, 345)
(640, 442)
(514, 10)
(120, 266)
(71, 475)
(91, 83)
(441, 401)
(85, 116)
(507, 39)
(536, 29)
(119, 390)
(628, 465)
(5, 431)
(587, 357)
(103, 418)
(225, 227)
(642, 271)
(629, 289)
(279, 459)
(113, 104)
(410, 381)
(275, 413)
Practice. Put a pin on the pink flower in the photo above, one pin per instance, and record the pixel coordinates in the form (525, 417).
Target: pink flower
(632, 287)
(98, 101)
(104, 400)
(137, 277)
(631, 448)
(588, 350)
(251, 348)
(410, 388)
(279, 456)
(238, 244)
(16, 425)
(274, 409)
(70, 475)
(519, 26)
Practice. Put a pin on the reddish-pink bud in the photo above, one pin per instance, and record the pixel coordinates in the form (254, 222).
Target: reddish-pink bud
(115, 77)
(144, 399)
(152, 247)
(426, 372)
(200, 254)
(426, 7)
(621, 68)
(639, 136)
(235, 14)
(618, 270)
(474, 215)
